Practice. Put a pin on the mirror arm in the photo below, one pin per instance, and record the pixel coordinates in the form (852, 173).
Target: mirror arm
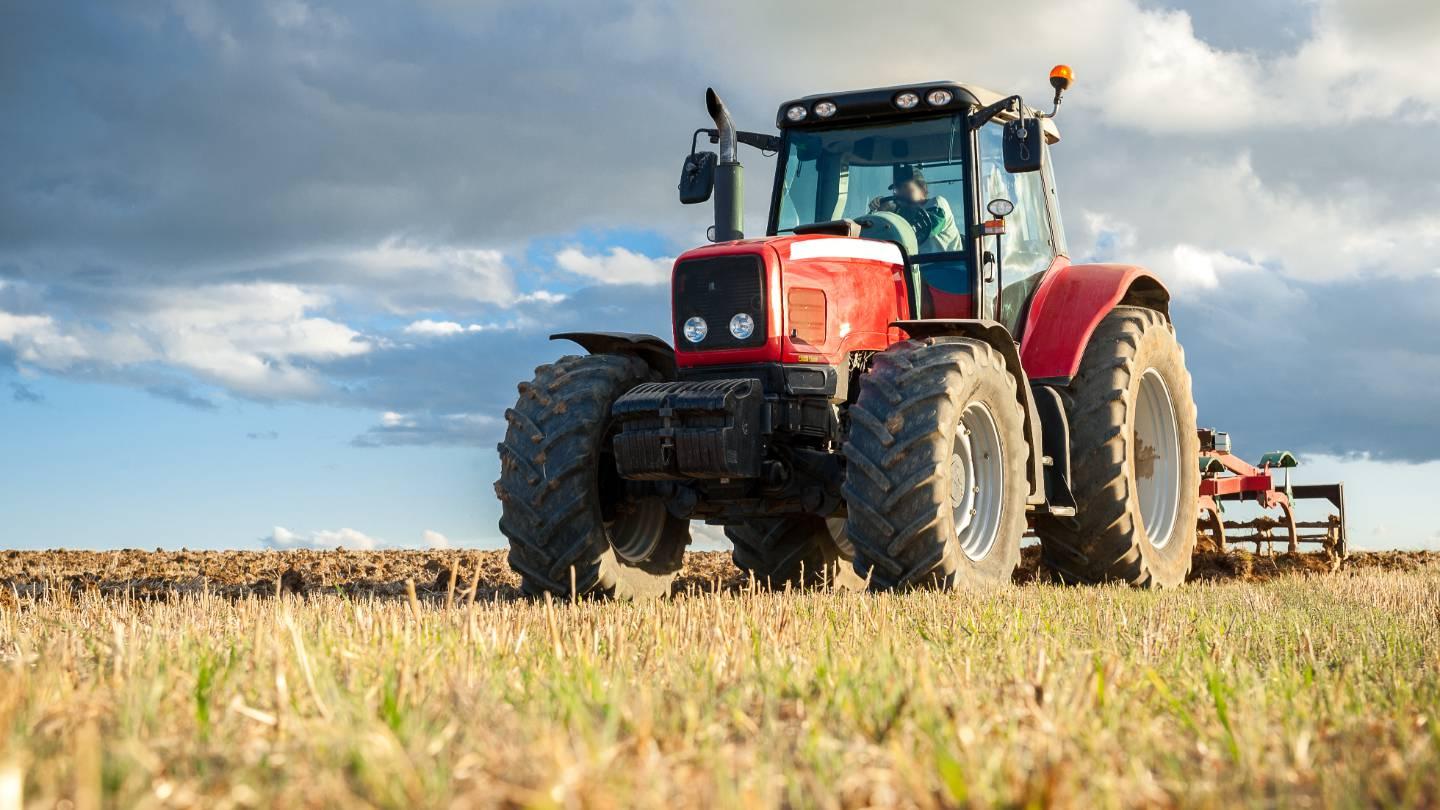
(984, 115)
(759, 140)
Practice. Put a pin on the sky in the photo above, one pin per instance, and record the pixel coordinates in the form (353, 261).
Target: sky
(270, 271)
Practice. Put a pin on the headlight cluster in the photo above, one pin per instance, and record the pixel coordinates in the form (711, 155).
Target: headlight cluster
(742, 326)
(910, 99)
(822, 109)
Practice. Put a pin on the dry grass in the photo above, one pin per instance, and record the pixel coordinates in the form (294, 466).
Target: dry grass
(1320, 690)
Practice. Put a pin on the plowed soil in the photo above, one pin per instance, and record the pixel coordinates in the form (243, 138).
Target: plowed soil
(164, 574)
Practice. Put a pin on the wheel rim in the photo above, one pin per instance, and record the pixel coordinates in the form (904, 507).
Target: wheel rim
(977, 481)
(636, 533)
(1156, 461)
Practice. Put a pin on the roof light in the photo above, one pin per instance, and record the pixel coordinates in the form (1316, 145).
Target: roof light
(1061, 76)
(907, 100)
(939, 98)
(825, 109)
(796, 113)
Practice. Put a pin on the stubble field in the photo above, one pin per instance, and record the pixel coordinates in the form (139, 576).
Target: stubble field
(317, 679)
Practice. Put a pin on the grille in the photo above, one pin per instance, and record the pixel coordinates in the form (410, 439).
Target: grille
(716, 289)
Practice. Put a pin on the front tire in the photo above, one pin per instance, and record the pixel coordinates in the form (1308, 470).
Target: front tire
(1135, 468)
(935, 479)
(564, 508)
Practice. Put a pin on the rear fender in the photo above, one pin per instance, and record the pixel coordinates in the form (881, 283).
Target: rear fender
(1070, 303)
(995, 334)
(656, 353)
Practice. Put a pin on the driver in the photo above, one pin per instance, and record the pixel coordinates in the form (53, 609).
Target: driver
(932, 219)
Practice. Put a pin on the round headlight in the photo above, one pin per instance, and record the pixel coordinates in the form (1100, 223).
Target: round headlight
(825, 109)
(696, 329)
(796, 113)
(742, 326)
(939, 98)
(906, 100)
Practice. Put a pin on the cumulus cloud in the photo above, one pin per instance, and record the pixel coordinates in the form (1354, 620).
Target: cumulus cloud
(430, 429)
(617, 266)
(284, 539)
(254, 339)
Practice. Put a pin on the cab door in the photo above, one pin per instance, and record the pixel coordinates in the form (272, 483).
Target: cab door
(1029, 246)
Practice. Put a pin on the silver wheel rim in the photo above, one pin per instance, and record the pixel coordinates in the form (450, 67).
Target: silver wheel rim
(1156, 458)
(977, 481)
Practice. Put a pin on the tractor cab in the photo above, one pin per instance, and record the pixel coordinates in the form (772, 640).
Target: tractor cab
(918, 166)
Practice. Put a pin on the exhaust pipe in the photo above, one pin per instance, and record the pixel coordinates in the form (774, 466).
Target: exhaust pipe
(729, 175)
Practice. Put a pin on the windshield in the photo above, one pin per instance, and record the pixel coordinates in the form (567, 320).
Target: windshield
(912, 168)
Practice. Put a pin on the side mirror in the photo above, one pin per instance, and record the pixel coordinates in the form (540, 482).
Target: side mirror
(697, 178)
(1023, 142)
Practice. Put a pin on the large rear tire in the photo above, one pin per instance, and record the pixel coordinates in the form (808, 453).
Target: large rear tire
(800, 550)
(563, 506)
(935, 477)
(1135, 468)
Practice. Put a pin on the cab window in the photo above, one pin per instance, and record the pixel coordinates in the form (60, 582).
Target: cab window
(1028, 247)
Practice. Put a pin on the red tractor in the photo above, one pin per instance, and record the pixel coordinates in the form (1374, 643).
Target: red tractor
(905, 375)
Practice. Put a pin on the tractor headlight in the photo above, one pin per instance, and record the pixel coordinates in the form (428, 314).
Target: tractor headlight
(742, 326)
(696, 329)
(796, 113)
(907, 100)
(825, 109)
(939, 98)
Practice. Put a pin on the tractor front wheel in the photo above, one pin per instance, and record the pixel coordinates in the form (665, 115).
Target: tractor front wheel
(935, 479)
(1135, 460)
(572, 525)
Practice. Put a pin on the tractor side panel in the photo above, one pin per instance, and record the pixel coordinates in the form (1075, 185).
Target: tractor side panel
(1070, 303)
(839, 305)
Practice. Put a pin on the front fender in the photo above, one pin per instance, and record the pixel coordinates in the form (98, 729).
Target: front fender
(1070, 303)
(655, 352)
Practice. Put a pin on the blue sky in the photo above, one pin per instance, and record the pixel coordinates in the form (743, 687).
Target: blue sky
(270, 271)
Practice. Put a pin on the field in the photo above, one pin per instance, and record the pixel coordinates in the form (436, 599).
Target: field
(320, 679)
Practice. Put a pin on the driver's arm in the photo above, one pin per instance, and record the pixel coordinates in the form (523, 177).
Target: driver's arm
(947, 235)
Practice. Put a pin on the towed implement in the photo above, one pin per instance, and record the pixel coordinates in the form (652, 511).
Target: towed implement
(1225, 478)
(901, 378)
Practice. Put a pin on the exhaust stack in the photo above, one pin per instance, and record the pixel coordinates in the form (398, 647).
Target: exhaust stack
(729, 175)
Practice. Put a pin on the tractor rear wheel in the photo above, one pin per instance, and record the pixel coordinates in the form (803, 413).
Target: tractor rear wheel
(564, 507)
(935, 477)
(1134, 468)
(799, 550)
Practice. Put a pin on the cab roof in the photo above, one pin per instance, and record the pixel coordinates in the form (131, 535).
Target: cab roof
(879, 104)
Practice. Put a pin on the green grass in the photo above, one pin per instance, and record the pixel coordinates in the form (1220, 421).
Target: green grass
(1320, 691)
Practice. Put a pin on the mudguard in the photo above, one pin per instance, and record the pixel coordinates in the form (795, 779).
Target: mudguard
(656, 353)
(1070, 303)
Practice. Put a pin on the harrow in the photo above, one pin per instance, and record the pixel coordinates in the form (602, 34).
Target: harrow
(1224, 477)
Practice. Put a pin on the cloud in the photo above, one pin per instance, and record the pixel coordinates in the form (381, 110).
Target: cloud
(430, 429)
(618, 266)
(283, 539)
(263, 435)
(21, 392)
(253, 339)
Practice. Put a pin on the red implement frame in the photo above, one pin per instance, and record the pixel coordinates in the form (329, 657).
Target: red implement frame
(1225, 477)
